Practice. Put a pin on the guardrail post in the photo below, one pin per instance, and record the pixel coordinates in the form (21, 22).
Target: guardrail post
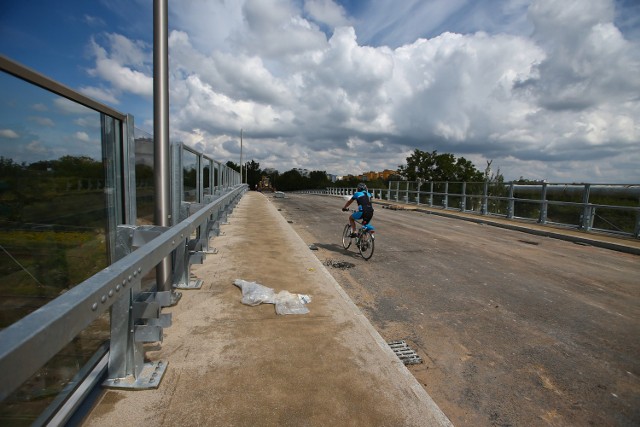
(431, 194)
(587, 212)
(543, 205)
(445, 202)
(463, 202)
(511, 203)
(188, 253)
(418, 192)
(211, 229)
(485, 198)
(136, 319)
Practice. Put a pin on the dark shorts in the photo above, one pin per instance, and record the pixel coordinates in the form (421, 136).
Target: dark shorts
(365, 215)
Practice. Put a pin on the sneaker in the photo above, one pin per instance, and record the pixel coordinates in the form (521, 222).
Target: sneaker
(352, 235)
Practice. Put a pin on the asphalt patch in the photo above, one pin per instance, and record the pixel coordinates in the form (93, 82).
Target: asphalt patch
(342, 265)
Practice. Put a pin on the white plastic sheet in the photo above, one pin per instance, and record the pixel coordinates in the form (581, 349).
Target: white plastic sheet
(286, 302)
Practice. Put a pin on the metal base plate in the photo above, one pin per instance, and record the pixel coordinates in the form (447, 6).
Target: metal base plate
(149, 378)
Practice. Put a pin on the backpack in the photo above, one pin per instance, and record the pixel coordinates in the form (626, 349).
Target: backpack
(367, 208)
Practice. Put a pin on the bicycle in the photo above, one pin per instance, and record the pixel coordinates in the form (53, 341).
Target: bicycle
(365, 239)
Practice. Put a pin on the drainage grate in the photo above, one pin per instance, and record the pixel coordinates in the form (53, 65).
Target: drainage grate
(404, 353)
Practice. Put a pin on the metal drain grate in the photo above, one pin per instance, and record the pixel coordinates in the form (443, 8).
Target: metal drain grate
(404, 353)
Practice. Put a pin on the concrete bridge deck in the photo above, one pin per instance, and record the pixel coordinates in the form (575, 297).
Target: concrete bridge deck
(234, 365)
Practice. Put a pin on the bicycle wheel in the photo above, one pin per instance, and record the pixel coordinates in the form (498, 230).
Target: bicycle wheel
(367, 243)
(346, 236)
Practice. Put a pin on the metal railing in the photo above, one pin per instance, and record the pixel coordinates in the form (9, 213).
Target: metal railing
(611, 208)
(27, 344)
(204, 191)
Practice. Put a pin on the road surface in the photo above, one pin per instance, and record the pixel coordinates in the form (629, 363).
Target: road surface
(514, 329)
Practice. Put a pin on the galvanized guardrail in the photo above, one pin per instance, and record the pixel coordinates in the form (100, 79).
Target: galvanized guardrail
(27, 344)
(203, 192)
(611, 208)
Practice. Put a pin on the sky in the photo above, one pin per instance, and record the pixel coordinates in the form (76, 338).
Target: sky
(542, 89)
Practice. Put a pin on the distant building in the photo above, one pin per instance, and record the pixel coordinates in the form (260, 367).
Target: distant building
(370, 176)
(385, 174)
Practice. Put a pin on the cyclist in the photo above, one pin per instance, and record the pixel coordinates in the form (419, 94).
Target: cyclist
(365, 209)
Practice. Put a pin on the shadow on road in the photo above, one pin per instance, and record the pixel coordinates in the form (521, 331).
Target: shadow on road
(338, 249)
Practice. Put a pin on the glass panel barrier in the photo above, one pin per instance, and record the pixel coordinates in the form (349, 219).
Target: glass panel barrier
(54, 217)
(190, 176)
(206, 177)
(145, 185)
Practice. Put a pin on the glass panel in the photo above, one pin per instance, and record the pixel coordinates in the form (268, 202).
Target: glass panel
(189, 173)
(53, 222)
(206, 177)
(145, 184)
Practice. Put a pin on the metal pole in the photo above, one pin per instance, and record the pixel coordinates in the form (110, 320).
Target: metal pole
(241, 156)
(543, 205)
(587, 219)
(161, 130)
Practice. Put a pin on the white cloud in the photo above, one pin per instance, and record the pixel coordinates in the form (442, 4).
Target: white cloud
(210, 24)
(111, 65)
(393, 23)
(69, 107)
(94, 21)
(36, 147)
(43, 121)
(275, 28)
(588, 63)
(326, 12)
(101, 94)
(82, 136)
(556, 98)
(8, 133)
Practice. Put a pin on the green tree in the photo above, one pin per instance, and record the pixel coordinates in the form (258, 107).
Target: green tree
(233, 166)
(78, 166)
(253, 173)
(438, 167)
(318, 179)
(290, 181)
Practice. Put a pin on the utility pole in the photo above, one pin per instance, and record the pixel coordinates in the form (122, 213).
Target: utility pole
(241, 180)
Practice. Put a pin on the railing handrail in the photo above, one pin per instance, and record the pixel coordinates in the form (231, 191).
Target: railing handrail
(405, 191)
(27, 344)
(31, 76)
